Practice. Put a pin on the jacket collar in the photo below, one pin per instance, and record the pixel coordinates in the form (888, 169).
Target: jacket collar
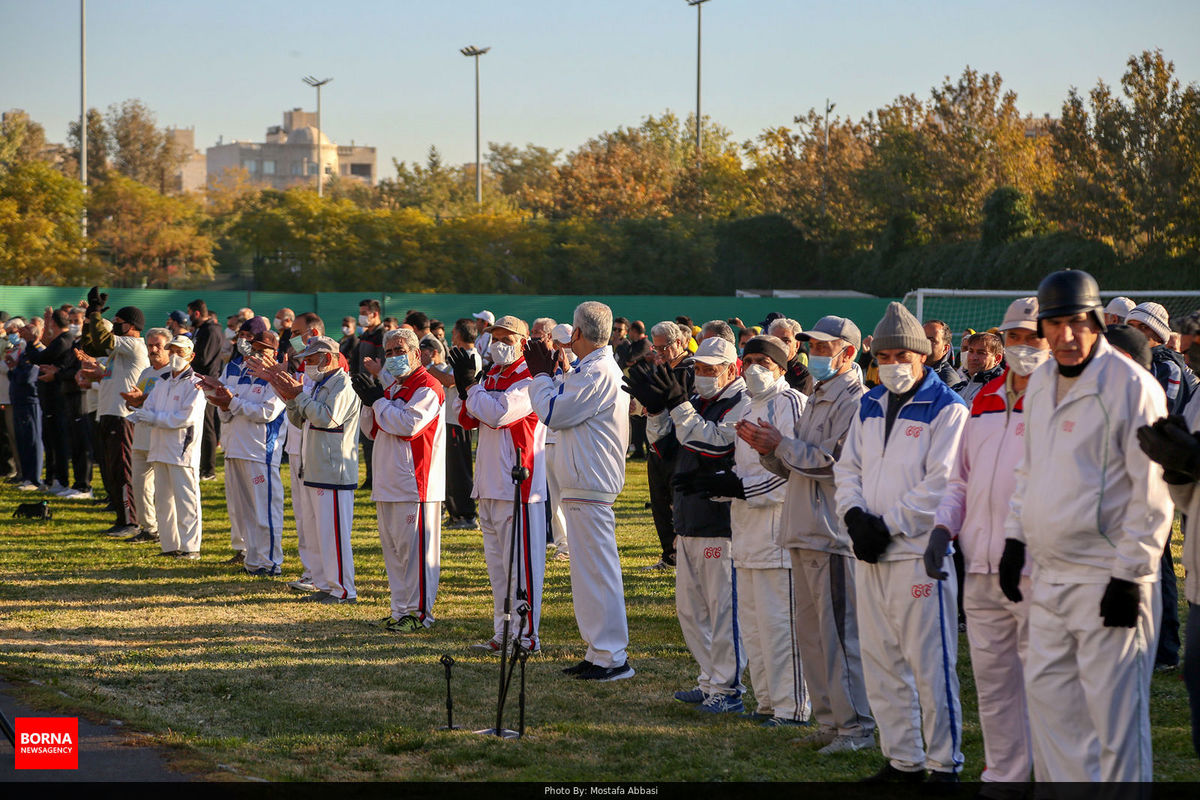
(1089, 380)
(829, 390)
(595, 355)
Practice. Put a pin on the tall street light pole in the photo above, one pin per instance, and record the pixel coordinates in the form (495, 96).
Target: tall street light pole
(317, 84)
(83, 131)
(476, 52)
(697, 4)
(825, 155)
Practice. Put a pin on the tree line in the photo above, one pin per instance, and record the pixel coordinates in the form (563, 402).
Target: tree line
(957, 188)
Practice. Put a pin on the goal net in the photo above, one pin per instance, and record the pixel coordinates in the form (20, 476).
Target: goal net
(980, 310)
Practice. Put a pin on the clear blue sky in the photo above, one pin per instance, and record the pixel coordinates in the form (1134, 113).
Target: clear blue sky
(559, 71)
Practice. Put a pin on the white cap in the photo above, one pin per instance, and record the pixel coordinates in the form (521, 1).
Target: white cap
(486, 316)
(1021, 313)
(182, 342)
(1119, 307)
(715, 351)
(562, 333)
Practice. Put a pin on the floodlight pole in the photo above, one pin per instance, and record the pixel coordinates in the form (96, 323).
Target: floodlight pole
(475, 52)
(83, 143)
(317, 84)
(697, 4)
(825, 155)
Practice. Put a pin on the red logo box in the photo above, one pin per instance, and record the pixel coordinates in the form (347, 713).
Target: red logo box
(47, 742)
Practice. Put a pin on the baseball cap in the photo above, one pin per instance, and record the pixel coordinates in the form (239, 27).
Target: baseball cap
(1021, 313)
(1119, 306)
(182, 342)
(176, 316)
(832, 328)
(562, 333)
(714, 351)
(265, 340)
(486, 316)
(509, 323)
(318, 344)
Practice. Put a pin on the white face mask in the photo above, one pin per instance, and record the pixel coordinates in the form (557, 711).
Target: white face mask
(707, 387)
(364, 320)
(244, 348)
(278, 324)
(178, 363)
(347, 330)
(313, 372)
(503, 354)
(1023, 359)
(75, 329)
(758, 379)
(898, 378)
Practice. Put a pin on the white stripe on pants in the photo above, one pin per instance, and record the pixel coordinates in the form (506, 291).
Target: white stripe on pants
(411, 537)
(1089, 686)
(333, 510)
(706, 603)
(998, 632)
(177, 503)
(307, 541)
(529, 571)
(766, 609)
(909, 627)
(254, 495)
(597, 591)
(558, 522)
(142, 475)
(827, 637)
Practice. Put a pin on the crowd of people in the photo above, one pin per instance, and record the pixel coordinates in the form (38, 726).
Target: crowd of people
(836, 508)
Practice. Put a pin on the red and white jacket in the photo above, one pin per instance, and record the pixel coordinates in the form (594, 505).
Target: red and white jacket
(981, 484)
(500, 408)
(409, 457)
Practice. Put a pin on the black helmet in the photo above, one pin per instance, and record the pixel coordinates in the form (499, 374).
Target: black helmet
(1068, 292)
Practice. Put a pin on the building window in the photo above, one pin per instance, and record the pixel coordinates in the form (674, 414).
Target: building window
(250, 165)
(268, 167)
(297, 168)
(361, 170)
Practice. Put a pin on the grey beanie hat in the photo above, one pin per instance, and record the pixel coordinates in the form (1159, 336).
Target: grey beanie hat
(899, 329)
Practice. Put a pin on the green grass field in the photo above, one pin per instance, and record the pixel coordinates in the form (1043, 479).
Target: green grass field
(236, 678)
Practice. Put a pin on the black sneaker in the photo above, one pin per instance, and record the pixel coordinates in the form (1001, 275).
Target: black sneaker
(122, 531)
(238, 557)
(889, 774)
(143, 536)
(187, 555)
(942, 777)
(171, 553)
(315, 597)
(578, 669)
(604, 674)
(208, 476)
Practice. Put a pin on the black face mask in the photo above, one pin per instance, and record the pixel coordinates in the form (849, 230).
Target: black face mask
(120, 328)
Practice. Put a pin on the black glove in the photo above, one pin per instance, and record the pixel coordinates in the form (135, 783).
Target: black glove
(869, 535)
(639, 384)
(935, 553)
(685, 482)
(718, 485)
(366, 388)
(539, 358)
(667, 383)
(465, 374)
(1169, 442)
(1012, 561)
(1119, 606)
(96, 300)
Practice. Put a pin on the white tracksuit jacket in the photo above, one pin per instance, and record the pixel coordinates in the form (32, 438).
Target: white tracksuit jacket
(499, 407)
(975, 510)
(125, 363)
(904, 478)
(1088, 503)
(146, 382)
(1187, 500)
(410, 453)
(175, 412)
(757, 521)
(252, 427)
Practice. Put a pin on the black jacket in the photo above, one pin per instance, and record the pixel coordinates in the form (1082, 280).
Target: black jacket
(696, 515)
(798, 376)
(207, 346)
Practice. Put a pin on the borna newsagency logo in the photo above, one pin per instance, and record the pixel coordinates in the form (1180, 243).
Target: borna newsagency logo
(47, 743)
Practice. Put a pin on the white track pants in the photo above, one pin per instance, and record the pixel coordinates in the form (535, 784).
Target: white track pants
(706, 602)
(254, 494)
(307, 542)
(827, 636)
(997, 632)
(766, 613)
(334, 513)
(528, 571)
(597, 591)
(909, 627)
(177, 503)
(558, 522)
(1089, 686)
(411, 537)
(142, 475)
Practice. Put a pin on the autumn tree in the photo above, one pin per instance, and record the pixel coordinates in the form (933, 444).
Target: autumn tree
(140, 149)
(21, 139)
(41, 242)
(98, 147)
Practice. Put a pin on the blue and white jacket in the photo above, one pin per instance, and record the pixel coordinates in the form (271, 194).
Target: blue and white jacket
(903, 477)
(252, 428)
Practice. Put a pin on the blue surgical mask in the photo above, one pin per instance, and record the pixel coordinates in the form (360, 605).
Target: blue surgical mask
(397, 366)
(14, 339)
(822, 367)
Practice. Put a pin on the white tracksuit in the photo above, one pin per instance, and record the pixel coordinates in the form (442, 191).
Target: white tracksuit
(590, 412)
(499, 407)
(823, 568)
(327, 415)
(1090, 506)
(705, 580)
(250, 432)
(141, 470)
(175, 412)
(766, 595)
(908, 622)
(307, 544)
(408, 487)
(974, 509)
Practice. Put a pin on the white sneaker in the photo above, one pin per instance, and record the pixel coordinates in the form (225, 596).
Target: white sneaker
(75, 494)
(55, 488)
(848, 744)
(28, 486)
